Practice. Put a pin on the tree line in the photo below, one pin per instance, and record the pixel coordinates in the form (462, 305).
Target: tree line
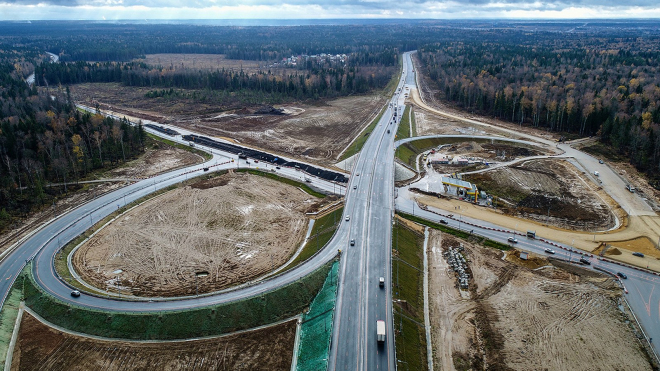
(45, 139)
(314, 84)
(608, 88)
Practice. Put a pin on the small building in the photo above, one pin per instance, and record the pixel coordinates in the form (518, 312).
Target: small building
(439, 159)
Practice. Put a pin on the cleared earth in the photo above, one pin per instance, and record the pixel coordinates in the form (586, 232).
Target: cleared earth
(40, 347)
(556, 318)
(202, 238)
(316, 132)
(548, 191)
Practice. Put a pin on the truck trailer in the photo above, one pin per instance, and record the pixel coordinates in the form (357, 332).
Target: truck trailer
(380, 330)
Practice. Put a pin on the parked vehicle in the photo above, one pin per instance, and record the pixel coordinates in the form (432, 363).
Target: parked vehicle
(380, 331)
(388, 131)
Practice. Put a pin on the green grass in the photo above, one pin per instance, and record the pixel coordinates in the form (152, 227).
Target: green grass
(407, 283)
(455, 232)
(292, 182)
(8, 317)
(270, 307)
(414, 121)
(322, 231)
(207, 156)
(359, 142)
(404, 126)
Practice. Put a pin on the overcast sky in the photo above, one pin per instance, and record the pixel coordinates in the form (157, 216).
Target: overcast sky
(313, 9)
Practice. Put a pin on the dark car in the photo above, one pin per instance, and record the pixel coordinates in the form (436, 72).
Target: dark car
(206, 169)
(638, 254)
(622, 275)
(353, 242)
(585, 261)
(442, 221)
(277, 167)
(75, 293)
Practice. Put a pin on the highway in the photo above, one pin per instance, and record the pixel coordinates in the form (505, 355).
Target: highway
(369, 206)
(361, 301)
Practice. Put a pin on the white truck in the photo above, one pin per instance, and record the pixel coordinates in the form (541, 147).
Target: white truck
(380, 330)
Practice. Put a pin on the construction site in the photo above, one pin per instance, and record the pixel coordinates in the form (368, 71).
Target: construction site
(316, 132)
(201, 238)
(533, 314)
(40, 347)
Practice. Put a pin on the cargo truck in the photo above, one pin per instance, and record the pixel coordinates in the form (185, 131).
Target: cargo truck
(380, 330)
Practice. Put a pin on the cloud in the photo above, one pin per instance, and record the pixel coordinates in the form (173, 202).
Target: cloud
(293, 9)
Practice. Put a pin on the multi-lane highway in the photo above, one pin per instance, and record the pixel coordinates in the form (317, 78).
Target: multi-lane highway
(368, 219)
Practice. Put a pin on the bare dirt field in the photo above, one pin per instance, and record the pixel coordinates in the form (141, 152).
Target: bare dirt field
(513, 318)
(40, 347)
(315, 132)
(489, 152)
(199, 62)
(213, 234)
(548, 191)
(159, 157)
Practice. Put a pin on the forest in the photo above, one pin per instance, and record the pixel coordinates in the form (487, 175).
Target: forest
(586, 86)
(45, 139)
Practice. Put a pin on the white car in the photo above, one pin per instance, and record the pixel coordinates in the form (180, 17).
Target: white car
(348, 217)
(512, 239)
(550, 251)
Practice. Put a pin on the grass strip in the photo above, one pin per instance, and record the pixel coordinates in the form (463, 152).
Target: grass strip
(8, 317)
(413, 121)
(284, 302)
(360, 141)
(403, 131)
(455, 232)
(207, 156)
(408, 297)
(316, 327)
(322, 231)
(292, 182)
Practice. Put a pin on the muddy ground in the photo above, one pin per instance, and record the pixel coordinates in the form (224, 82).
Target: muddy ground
(316, 133)
(201, 238)
(40, 347)
(515, 318)
(159, 157)
(489, 152)
(548, 191)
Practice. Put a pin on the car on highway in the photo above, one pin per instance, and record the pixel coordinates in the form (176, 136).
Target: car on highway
(585, 261)
(277, 167)
(512, 239)
(355, 187)
(600, 161)
(348, 217)
(75, 293)
(381, 282)
(622, 275)
(442, 221)
(638, 254)
(353, 242)
(358, 174)
(550, 251)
